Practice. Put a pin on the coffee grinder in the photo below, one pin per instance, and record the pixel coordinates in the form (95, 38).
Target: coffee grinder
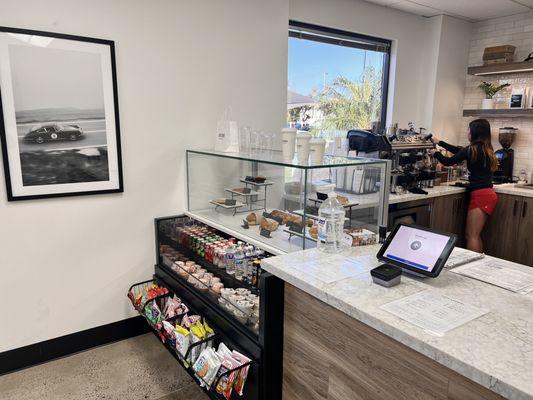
(505, 155)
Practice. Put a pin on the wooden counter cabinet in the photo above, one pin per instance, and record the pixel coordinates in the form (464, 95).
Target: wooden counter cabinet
(330, 356)
(448, 214)
(509, 231)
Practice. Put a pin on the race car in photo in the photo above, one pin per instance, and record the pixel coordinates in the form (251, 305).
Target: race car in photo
(46, 133)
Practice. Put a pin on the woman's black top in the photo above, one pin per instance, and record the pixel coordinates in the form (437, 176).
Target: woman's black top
(480, 172)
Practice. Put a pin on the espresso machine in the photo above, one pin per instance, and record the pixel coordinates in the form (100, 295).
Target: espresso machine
(412, 166)
(505, 155)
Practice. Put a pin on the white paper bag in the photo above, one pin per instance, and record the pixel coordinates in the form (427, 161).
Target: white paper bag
(227, 139)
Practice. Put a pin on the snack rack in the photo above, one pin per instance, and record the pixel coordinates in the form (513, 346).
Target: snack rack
(262, 342)
(182, 360)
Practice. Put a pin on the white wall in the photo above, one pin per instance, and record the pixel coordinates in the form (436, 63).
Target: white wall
(65, 264)
(450, 61)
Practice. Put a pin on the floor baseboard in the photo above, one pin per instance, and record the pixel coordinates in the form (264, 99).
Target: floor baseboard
(33, 354)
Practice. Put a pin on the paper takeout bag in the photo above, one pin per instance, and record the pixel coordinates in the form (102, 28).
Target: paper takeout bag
(227, 139)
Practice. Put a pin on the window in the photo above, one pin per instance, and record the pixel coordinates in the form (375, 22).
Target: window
(337, 80)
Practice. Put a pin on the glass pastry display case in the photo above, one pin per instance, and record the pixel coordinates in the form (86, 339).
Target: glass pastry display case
(273, 203)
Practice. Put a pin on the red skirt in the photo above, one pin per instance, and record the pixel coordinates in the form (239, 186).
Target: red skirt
(484, 199)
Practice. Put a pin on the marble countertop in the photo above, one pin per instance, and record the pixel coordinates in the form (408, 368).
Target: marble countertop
(495, 350)
(511, 188)
(437, 191)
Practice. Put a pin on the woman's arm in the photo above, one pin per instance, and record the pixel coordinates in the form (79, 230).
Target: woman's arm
(451, 148)
(461, 156)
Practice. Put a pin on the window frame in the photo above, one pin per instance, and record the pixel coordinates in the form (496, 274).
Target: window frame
(340, 37)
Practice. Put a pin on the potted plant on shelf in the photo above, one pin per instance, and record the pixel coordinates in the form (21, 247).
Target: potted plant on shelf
(490, 89)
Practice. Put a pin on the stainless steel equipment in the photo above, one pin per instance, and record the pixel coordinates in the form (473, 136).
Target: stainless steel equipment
(410, 212)
(412, 166)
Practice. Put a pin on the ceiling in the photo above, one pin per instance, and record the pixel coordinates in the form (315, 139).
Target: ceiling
(471, 10)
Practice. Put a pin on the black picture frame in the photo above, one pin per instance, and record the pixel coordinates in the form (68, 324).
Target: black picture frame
(115, 106)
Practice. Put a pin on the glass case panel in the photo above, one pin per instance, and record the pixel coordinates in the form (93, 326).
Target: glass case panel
(273, 203)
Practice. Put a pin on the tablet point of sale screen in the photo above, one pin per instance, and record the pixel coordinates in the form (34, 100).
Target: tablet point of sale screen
(417, 248)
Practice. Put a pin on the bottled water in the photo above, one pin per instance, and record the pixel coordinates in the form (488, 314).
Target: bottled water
(330, 224)
(239, 262)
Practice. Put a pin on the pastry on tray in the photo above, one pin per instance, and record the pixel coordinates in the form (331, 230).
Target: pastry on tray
(280, 214)
(252, 219)
(269, 224)
(343, 200)
(313, 231)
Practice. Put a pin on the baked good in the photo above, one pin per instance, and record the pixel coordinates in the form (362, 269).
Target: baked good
(281, 214)
(313, 231)
(343, 200)
(269, 224)
(252, 219)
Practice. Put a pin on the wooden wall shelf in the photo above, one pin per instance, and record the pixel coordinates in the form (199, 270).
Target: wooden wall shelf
(507, 68)
(503, 113)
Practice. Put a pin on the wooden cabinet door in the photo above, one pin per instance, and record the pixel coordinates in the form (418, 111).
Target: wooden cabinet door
(524, 241)
(442, 213)
(501, 231)
(448, 214)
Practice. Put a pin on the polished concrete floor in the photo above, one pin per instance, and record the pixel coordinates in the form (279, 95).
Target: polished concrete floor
(133, 369)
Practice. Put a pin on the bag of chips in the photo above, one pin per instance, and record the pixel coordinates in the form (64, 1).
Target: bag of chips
(189, 320)
(197, 335)
(240, 380)
(225, 383)
(183, 340)
(153, 314)
(207, 366)
(169, 334)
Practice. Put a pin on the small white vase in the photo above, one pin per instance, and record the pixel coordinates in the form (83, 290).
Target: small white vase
(487, 104)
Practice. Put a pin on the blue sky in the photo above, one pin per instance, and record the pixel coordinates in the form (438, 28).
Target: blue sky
(308, 60)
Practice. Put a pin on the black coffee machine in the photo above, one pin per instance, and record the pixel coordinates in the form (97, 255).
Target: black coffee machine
(505, 156)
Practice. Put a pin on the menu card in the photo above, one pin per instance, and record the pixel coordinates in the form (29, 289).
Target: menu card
(433, 312)
(505, 274)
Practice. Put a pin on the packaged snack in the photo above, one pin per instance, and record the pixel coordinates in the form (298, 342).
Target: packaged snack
(174, 307)
(183, 340)
(225, 383)
(208, 333)
(207, 366)
(197, 335)
(189, 320)
(240, 380)
(153, 314)
(169, 334)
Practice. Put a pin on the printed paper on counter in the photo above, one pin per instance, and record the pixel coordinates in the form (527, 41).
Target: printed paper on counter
(336, 267)
(505, 274)
(433, 311)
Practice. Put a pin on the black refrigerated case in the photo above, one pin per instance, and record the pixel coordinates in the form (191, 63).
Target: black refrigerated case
(260, 339)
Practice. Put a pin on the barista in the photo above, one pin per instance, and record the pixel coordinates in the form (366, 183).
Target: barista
(481, 162)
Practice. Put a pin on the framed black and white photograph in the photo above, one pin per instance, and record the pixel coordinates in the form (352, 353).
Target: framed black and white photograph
(59, 123)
